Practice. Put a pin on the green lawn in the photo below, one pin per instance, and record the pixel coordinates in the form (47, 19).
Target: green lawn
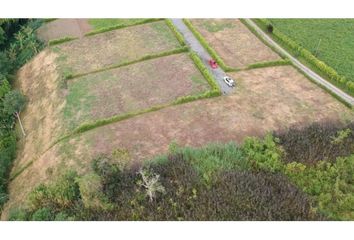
(336, 37)
(109, 22)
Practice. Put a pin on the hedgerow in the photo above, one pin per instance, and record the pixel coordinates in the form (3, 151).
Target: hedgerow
(210, 50)
(144, 58)
(281, 62)
(178, 35)
(205, 72)
(119, 26)
(308, 56)
(60, 40)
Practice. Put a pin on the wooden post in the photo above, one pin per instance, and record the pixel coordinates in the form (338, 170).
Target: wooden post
(23, 131)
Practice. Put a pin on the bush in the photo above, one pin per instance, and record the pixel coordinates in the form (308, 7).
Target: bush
(43, 214)
(264, 154)
(91, 191)
(330, 185)
(270, 28)
(316, 142)
(58, 196)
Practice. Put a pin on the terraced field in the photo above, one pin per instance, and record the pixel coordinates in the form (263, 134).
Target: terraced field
(114, 48)
(233, 42)
(112, 74)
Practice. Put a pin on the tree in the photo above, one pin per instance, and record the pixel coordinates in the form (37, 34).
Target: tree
(4, 87)
(13, 103)
(2, 36)
(151, 183)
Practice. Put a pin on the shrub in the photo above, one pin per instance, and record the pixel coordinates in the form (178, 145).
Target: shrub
(91, 191)
(42, 214)
(330, 185)
(18, 214)
(58, 196)
(314, 143)
(264, 154)
(270, 28)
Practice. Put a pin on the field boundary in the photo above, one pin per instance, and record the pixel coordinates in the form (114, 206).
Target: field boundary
(178, 35)
(120, 26)
(70, 76)
(57, 41)
(328, 72)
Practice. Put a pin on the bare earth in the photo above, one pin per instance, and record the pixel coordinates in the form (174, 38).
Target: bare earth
(234, 43)
(64, 27)
(265, 99)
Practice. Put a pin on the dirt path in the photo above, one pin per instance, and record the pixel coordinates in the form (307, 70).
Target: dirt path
(307, 71)
(202, 53)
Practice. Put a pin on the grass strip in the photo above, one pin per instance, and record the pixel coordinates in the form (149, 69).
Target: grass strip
(119, 26)
(296, 49)
(178, 35)
(144, 58)
(60, 40)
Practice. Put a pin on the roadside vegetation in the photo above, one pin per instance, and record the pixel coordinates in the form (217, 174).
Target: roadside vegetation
(323, 44)
(18, 44)
(262, 179)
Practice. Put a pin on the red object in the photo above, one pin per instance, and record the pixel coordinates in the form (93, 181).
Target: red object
(213, 64)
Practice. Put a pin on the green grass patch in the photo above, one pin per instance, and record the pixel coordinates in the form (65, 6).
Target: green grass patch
(105, 25)
(328, 57)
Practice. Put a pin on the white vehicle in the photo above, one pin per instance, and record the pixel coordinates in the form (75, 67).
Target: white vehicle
(229, 81)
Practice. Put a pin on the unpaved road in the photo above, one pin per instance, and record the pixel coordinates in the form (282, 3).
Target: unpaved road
(195, 45)
(307, 71)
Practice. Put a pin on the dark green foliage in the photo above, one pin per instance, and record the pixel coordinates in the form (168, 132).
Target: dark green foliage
(331, 185)
(18, 44)
(264, 154)
(316, 142)
(59, 196)
(42, 214)
(13, 102)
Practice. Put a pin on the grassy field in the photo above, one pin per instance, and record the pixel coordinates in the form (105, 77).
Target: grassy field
(114, 47)
(131, 88)
(331, 40)
(233, 42)
(109, 22)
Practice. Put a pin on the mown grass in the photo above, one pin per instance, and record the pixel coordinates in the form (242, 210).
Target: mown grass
(323, 44)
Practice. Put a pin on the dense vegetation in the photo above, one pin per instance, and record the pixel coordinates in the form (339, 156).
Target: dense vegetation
(18, 44)
(263, 179)
(325, 44)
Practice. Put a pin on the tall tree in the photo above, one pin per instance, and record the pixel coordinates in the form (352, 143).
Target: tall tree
(13, 103)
